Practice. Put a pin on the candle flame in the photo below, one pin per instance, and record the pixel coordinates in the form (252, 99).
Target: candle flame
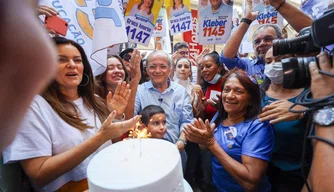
(140, 131)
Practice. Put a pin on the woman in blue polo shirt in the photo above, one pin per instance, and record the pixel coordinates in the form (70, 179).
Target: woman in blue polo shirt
(241, 145)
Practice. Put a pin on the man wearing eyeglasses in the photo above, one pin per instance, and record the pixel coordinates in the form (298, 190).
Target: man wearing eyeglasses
(172, 97)
(181, 50)
(262, 38)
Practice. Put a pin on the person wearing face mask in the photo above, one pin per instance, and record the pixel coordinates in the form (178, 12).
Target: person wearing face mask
(284, 168)
(211, 71)
(262, 38)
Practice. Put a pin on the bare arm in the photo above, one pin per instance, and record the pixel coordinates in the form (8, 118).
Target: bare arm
(43, 170)
(295, 17)
(23, 72)
(232, 45)
(136, 76)
(247, 174)
(322, 169)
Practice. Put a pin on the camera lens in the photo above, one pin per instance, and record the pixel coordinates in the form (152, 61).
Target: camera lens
(296, 72)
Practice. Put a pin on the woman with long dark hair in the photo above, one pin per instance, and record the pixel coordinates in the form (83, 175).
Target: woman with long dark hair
(65, 126)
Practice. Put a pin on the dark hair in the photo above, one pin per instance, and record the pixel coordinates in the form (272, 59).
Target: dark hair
(62, 106)
(277, 29)
(150, 10)
(183, 58)
(252, 89)
(215, 57)
(180, 45)
(174, 4)
(101, 85)
(149, 111)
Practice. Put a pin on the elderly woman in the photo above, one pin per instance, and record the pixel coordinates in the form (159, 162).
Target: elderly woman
(241, 145)
(65, 126)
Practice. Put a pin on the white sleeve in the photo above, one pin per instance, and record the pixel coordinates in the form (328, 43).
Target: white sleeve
(33, 137)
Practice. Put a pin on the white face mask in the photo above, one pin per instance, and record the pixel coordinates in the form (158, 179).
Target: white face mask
(215, 79)
(274, 72)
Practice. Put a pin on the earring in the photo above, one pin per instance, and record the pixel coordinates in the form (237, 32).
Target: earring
(86, 82)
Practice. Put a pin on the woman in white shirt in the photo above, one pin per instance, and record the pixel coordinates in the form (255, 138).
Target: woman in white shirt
(65, 126)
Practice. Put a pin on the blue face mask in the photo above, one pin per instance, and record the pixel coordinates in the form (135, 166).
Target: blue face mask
(215, 79)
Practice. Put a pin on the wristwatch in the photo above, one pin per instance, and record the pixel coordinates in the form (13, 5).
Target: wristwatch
(324, 117)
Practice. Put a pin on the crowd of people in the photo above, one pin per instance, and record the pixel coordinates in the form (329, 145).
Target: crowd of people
(231, 123)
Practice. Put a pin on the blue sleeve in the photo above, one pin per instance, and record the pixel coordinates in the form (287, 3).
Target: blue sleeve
(137, 103)
(232, 63)
(259, 141)
(187, 111)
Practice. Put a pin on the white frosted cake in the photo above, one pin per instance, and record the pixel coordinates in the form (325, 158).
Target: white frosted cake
(149, 165)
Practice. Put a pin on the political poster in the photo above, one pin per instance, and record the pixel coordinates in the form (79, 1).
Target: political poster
(267, 15)
(90, 23)
(161, 28)
(179, 15)
(140, 19)
(215, 22)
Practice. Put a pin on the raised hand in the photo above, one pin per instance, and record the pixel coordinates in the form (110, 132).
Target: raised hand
(200, 132)
(135, 64)
(45, 10)
(199, 58)
(110, 130)
(279, 111)
(249, 14)
(120, 99)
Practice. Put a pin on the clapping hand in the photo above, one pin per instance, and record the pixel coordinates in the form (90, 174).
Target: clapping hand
(110, 130)
(198, 102)
(200, 132)
(120, 99)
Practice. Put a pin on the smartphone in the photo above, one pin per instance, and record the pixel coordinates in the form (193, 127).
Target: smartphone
(57, 24)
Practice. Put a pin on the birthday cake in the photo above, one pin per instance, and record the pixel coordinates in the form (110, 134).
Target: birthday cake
(141, 165)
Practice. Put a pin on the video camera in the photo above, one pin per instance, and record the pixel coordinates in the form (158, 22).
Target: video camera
(295, 70)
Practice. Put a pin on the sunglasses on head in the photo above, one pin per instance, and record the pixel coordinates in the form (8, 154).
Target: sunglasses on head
(126, 57)
(184, 52)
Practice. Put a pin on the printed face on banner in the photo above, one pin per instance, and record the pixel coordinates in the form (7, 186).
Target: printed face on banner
(215, 22)
(179, 15)
(267, 15)
(140, 19)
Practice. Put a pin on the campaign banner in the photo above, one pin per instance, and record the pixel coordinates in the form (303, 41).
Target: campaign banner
(267, 15)
(109, 29)
(190, 37)
(82, 24)
(215, 22)
(161, 28)
(194, 47)
(179, 15)
(314, 8)
(140, 19)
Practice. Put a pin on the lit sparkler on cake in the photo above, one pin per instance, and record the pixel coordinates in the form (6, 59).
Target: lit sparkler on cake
(139, 131)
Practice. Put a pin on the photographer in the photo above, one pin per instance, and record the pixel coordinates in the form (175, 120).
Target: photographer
(322, 168)
(262, 37)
